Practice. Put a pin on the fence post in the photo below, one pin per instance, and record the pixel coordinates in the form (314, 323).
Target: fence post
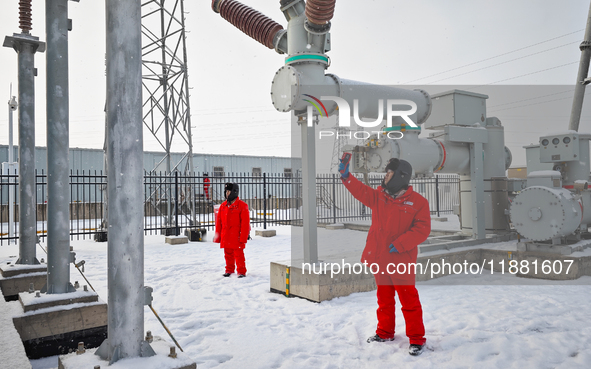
(437, 193)
(264, 200)
(334, 199)
(176, 203)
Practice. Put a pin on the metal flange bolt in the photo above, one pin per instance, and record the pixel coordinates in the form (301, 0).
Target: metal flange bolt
(172, 352)
(149, 337)
(81, 348)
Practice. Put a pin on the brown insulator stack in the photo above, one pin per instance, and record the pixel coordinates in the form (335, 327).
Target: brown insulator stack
(320, 12)
(24, 11)
(253, 23)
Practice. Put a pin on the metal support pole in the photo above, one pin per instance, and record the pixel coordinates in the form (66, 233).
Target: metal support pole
(125, 181)
(176, 203)
(575, 115)
(334, 198)
(12, 106)
(58, 206)
(188, 127)
(437, 193)
(26, 46)
(264, 200)
(309, 190)
(167, 122)
(477, 183)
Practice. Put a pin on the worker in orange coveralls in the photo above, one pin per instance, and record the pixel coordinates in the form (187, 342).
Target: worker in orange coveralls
(206, 185)
(232, 228)
(401, 220)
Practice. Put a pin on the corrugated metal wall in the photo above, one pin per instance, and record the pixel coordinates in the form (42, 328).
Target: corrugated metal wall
(92, 159)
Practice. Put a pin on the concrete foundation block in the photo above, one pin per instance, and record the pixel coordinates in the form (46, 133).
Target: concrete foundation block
(161, 360)
(545, 248)
(52, 322)
(12, 286)
(13, 270)
(59, 322)
(176, 240)
(319, 285)
(265, 232)
(30, 302)
(335, 226)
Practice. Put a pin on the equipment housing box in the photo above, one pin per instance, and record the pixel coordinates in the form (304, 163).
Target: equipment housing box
(560, 147)
(457, 107)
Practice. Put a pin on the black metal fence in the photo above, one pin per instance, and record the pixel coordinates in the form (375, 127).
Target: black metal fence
(178, 201)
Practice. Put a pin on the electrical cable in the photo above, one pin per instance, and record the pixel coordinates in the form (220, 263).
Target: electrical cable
(505, 62)
(497, 56)
(532, 98)
(528, 74)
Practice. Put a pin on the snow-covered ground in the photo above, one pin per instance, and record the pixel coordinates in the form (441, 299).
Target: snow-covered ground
(230, 323)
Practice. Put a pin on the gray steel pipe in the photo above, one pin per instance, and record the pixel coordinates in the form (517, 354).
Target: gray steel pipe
(26, 155)
(26, 45)
(58, 206)
(125, 179)
(577, 108)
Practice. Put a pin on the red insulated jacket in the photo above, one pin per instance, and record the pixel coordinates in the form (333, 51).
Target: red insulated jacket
(404, 221)
(232, 225)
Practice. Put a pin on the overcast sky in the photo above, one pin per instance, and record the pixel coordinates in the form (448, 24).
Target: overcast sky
(417, 42)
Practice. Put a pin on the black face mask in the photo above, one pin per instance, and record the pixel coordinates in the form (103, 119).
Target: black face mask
(233, 188)
(401, 178)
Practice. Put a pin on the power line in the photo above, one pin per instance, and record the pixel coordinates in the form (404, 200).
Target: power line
(505, 62)
(529, 74)
(537, 103)
(533, 98)
(497, 56)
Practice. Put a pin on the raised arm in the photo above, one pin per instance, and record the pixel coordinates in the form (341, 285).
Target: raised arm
(362, 192)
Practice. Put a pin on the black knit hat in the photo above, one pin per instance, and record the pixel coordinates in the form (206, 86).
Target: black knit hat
(401, 178)
(393, 164)
(233, 188)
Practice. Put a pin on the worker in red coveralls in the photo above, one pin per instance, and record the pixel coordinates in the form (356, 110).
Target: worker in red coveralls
(206, 185)
(232, 227)
(401, 220)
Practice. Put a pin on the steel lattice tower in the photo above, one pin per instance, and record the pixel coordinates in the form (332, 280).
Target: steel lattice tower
(166, 111)
(165, 78)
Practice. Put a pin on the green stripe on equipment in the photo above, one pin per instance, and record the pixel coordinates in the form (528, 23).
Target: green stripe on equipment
(306, 57)
(398, 128)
